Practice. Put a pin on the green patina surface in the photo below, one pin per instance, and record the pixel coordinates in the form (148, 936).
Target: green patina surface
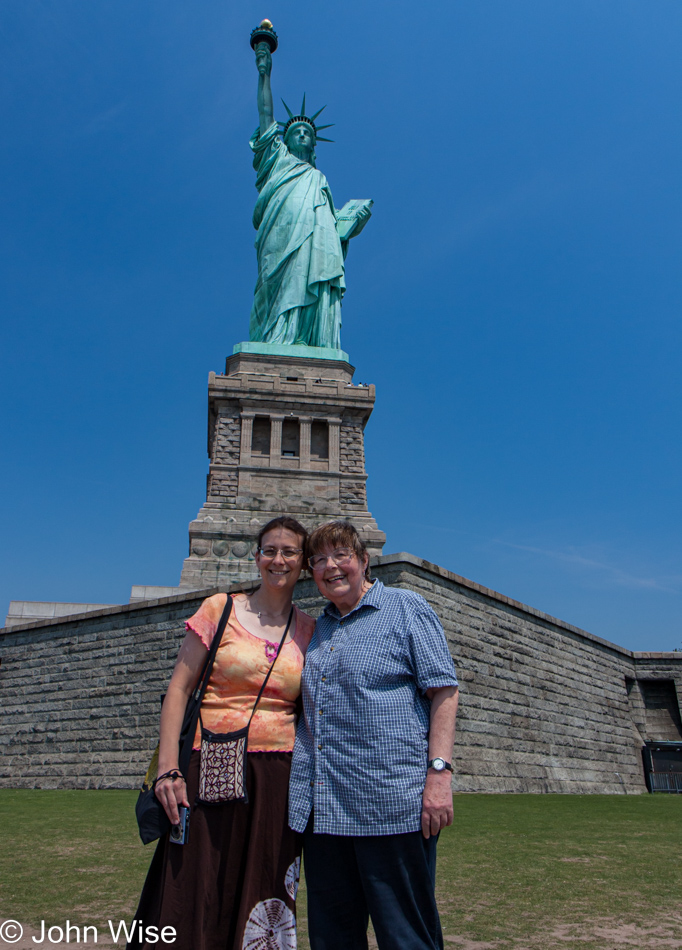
(300, 349)
(302, 238)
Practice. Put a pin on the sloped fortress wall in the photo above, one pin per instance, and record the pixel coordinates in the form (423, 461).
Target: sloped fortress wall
(545, 707)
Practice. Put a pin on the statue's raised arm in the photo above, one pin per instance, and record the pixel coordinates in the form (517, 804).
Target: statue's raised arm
(265, 108)
(302, 240)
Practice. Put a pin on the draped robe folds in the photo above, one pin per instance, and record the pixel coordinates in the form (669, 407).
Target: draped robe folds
(300, 257)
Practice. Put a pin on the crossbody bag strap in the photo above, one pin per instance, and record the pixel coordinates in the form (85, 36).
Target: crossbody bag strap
(267, 675)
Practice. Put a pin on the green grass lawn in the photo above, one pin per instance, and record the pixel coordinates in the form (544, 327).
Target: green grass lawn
(516, 872)
(69, 854)
(562, 871)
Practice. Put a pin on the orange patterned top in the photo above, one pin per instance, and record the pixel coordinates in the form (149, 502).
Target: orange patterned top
(240, 666)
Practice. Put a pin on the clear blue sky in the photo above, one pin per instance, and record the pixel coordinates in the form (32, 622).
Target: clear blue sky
(516, 297)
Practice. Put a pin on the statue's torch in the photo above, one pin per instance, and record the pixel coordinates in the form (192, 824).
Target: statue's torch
(264, 34)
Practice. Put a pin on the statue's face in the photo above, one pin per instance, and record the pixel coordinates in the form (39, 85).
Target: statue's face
(300, 141)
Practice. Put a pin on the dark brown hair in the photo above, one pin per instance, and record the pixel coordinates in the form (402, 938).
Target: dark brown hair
(284, 521)
(337, 534)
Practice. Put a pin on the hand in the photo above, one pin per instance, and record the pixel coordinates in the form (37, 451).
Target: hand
(437, 808)
(361, 220)
(263, 59)
(172, 792)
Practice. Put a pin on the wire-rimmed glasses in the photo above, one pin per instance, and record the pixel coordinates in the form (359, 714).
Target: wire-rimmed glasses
(340, 557)
(289, 554)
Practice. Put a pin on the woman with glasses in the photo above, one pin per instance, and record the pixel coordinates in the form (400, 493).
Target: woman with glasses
(235, 880)
(371, 775)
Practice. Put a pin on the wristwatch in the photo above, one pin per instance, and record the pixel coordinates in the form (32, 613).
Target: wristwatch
(439, 765)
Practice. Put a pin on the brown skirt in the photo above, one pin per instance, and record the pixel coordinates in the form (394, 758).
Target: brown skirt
(233, 885)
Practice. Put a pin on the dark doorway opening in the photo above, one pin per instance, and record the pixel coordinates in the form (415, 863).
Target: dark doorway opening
(663, 766)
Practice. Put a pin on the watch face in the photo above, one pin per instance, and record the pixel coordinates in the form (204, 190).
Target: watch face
(438, 764)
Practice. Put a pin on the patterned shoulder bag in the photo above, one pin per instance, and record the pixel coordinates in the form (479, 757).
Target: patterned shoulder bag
(222, 776)
(152, 820)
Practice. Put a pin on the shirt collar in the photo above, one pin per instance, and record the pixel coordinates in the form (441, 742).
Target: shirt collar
(372, 598)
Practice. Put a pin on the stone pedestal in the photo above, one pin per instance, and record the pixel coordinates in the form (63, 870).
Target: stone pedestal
(285, 436)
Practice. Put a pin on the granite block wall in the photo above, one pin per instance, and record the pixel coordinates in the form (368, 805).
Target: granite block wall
(81, 699)
(545, 707)
(351, 445)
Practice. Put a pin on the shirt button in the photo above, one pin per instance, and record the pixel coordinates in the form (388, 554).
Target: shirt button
(319, 747)
(312, 785)
(320, 712)
(324, 679)
(331, 649)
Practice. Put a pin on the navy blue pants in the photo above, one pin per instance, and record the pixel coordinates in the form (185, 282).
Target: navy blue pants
(390, 878)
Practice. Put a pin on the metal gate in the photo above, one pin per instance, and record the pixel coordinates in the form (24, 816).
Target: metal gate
(663, 766)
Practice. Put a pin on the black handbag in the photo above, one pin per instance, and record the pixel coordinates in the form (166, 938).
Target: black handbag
(152, 820)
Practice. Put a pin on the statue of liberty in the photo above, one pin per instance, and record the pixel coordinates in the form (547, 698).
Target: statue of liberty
(302, 240)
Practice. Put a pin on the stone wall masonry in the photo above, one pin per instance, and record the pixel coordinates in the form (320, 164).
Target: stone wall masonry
(255, 476)
(544, 705)
(81, 698)
(351, 448)
(222, 485)
(227, 436)
(352, 492)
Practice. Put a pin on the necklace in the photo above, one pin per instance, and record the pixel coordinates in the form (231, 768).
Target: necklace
(259, 613)
(269, 647)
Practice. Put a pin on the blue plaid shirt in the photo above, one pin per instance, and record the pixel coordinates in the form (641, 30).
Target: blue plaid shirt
(360, 756)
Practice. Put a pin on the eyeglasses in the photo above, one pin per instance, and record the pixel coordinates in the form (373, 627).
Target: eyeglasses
(340, 557)
(289, 554)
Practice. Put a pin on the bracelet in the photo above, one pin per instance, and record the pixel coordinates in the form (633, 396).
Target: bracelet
(172, 774)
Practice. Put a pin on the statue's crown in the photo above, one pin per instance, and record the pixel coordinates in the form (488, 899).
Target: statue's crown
(309, 120)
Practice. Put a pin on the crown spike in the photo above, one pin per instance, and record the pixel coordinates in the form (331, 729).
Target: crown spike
(313, 117)
(303, 105)
(321, 138)
(329, 126)
(291, 114)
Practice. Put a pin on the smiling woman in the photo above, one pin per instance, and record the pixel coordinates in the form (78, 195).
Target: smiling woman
(379, 700)
(340, 564)
(240, 863)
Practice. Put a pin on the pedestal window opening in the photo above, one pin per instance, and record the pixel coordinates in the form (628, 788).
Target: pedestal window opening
(260, 439)
(291, 439)
(319, 440)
